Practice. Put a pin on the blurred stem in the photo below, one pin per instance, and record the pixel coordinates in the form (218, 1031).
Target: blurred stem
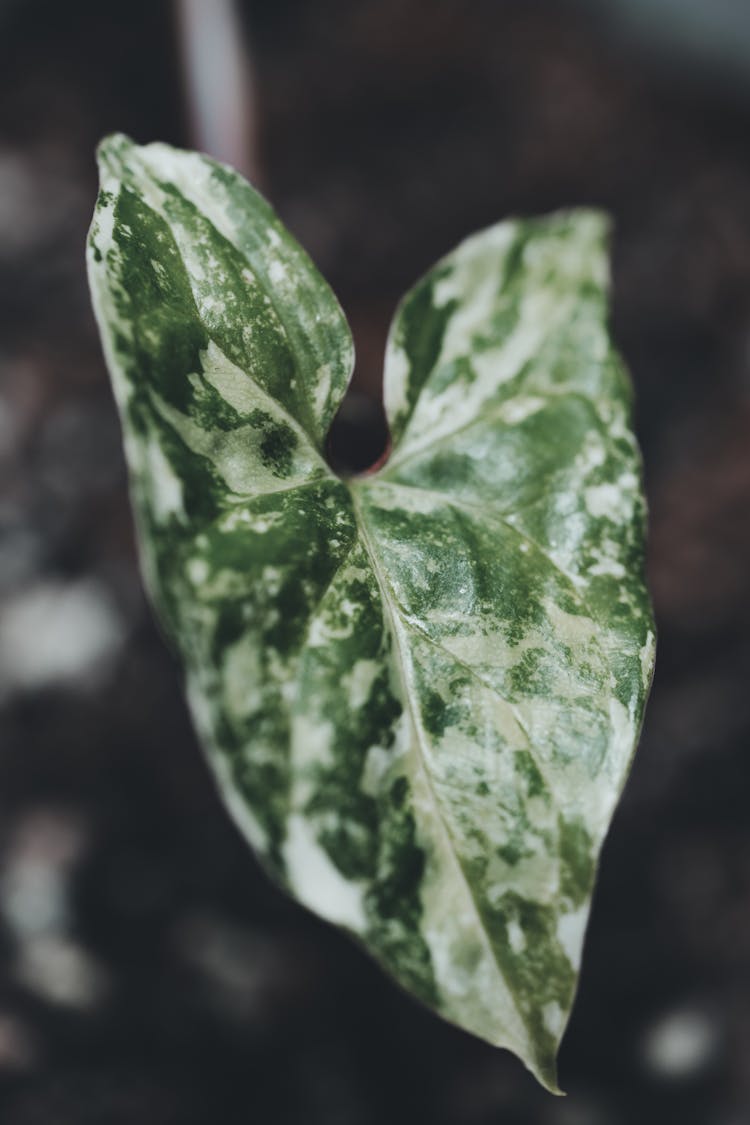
(219, 85)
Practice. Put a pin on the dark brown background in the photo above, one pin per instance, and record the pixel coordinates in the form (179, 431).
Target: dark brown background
(149, 972)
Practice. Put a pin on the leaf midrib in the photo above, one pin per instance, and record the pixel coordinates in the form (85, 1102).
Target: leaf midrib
(392, 613)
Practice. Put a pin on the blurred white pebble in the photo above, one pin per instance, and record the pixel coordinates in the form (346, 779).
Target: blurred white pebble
(40, 858)
(680, 1044)
(61, 972)
(34, 883)
(54, 634)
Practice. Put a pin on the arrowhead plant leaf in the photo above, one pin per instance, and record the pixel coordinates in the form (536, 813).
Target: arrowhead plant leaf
(420, 689)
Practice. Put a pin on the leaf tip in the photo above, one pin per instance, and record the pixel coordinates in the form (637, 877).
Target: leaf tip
(545, 1072)
(111, 151)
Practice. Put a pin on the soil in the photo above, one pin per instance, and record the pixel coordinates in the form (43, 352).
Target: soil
(149, 972)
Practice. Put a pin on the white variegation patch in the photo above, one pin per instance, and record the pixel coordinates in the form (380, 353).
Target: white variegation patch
(317, 882)
(571, 929)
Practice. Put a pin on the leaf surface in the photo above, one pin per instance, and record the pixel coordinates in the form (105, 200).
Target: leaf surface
(421, 689)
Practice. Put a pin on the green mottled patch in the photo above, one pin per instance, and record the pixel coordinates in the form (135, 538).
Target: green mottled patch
(420, 690)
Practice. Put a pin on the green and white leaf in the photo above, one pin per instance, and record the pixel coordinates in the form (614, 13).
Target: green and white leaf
(421, 689)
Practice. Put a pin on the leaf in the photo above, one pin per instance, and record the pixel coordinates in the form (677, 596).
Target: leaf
(420, 689)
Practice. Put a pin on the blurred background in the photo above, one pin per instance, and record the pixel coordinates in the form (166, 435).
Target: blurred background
(148, 971)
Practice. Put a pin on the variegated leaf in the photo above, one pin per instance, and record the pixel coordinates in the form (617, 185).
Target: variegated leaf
(420, 689)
